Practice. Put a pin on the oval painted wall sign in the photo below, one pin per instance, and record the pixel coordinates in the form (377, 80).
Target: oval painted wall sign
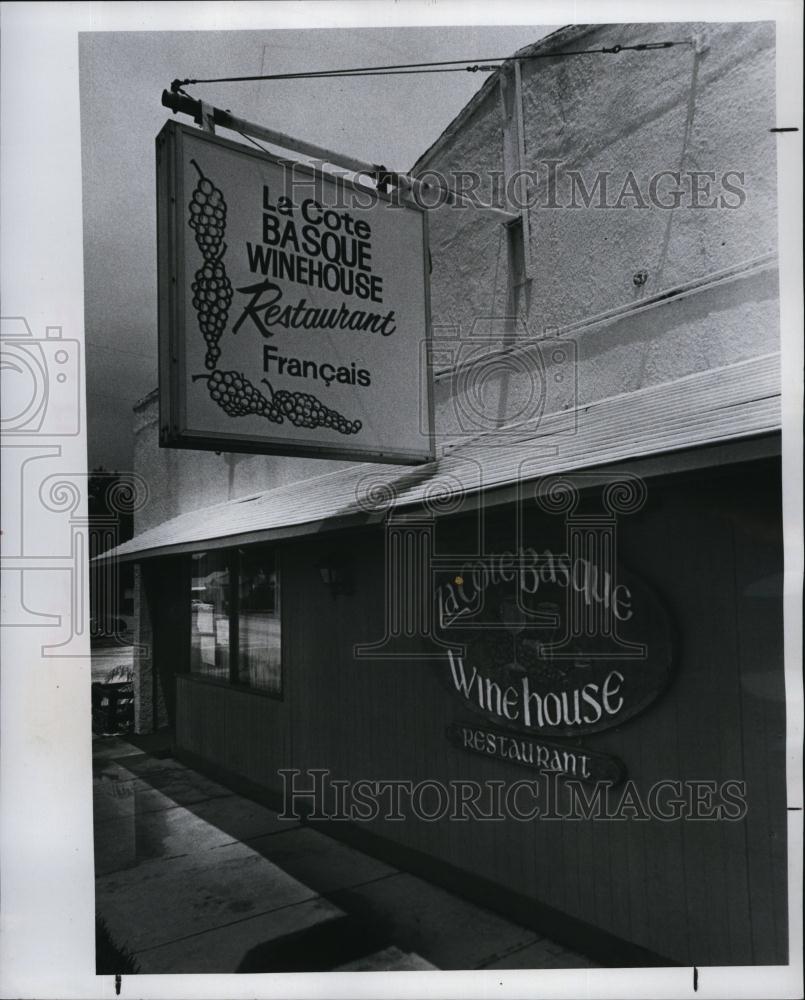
(574, 653)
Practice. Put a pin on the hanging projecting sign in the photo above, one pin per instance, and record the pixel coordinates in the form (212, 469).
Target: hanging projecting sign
(293, 306)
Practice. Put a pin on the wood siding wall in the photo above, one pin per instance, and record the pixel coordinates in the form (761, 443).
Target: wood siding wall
(698, 892)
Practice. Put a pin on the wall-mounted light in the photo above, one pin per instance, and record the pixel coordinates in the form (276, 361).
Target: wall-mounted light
(336, 573)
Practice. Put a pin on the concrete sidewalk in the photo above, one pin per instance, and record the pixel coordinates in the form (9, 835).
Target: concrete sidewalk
(193, 878)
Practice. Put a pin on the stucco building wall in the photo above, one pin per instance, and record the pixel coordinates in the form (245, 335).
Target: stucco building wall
(701, 109)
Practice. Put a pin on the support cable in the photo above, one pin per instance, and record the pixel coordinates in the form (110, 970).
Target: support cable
(486, 65)
(178, 100)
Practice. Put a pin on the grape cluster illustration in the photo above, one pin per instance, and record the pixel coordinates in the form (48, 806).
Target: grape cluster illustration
(237, 397)
(212, 298)
(304, 410)
(207, 215)
(212, 289)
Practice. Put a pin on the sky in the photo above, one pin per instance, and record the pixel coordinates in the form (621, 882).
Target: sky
(389, 120)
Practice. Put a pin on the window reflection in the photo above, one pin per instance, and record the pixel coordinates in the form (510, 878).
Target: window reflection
(209, 630)
(259, 645)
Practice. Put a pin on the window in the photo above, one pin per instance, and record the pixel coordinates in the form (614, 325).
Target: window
(259, 648)
(209, 616)
(235, 631)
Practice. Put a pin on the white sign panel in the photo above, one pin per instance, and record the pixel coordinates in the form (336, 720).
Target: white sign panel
(293, 306)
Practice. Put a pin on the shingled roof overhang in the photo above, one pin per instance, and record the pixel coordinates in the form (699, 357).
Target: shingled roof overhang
(706, 410)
